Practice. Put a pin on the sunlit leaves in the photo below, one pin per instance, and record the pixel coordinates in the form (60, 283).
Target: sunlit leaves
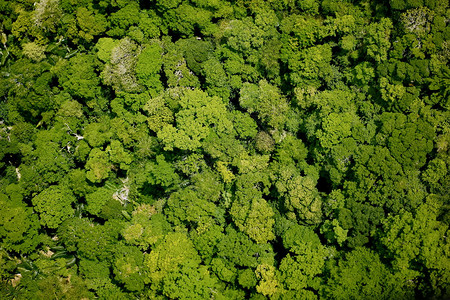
(198, 115)
(54, 206)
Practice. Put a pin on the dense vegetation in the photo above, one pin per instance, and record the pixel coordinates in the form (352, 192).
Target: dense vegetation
(213, 149)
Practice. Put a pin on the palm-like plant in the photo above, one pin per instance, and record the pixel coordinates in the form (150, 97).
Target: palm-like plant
(61, 252)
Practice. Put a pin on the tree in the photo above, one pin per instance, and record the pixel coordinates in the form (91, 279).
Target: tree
(147, 228)
(88, 240)
(301, 197)
(189, 207)
(148, 65)
(34, 51)
(415, 241)
(377, 39)
(28, 84)
(239, 250)
(175, 67)
(309, 66)
(44, 162)
(19, 231)
(104, 47)
(122, 19)
(198, 114)
(408, 139)
(336, 127)
(128, 262)
(265, 100)
(120, 71)
(96, 200)
(361, 275)
(54, 205)
(98, 166)
(255, 219)
(268, 284)
(118, 155)
(90, 22)
(78, 76)
(174, 250)
(191, 281)
(301, 267)
(216, 79)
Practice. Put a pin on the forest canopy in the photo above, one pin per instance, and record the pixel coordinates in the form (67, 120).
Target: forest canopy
(224, 149)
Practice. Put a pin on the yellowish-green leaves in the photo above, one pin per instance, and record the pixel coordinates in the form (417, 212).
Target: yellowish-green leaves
(259, 222)
(420, 237)
(302, 199)
(98, 165)
(335, 127)
(268, 284)
(96, 200)
(34, 51)
(224, 171)
(146, 228)
(105, 47)
(90, 22)
(174, 250)
(19, 230)
(54, 205)
(267, 101)
(250, 212)
(198, 115)
(377, 38)
(128, 267)
(159, 115)
(148, 65)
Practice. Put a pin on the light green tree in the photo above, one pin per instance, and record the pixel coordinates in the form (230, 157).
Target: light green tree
(54, 205)
(198, 115)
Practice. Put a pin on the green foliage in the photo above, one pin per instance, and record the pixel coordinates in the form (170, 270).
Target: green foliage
(212, 149)
(361, 275)
(265, 100)
(162, 173)
(98, 166)
(78, 76)
(91, 23)
(255, 219)
(216, 79)
(120, 71)
(148, 66)
(409, 140)
(118, 155)
(34, 51)
(167, 256)
(19, 231)
(96, 200)
(378, 39)
(105, 47)
(239, 250)
(147, 227)
(94, 242)
(54, 205)
(127, 267)
(301, 197)
(123, 18)
(419, 237)
(191, 281)
(301, 267)
(309, 66)
(199, 114)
